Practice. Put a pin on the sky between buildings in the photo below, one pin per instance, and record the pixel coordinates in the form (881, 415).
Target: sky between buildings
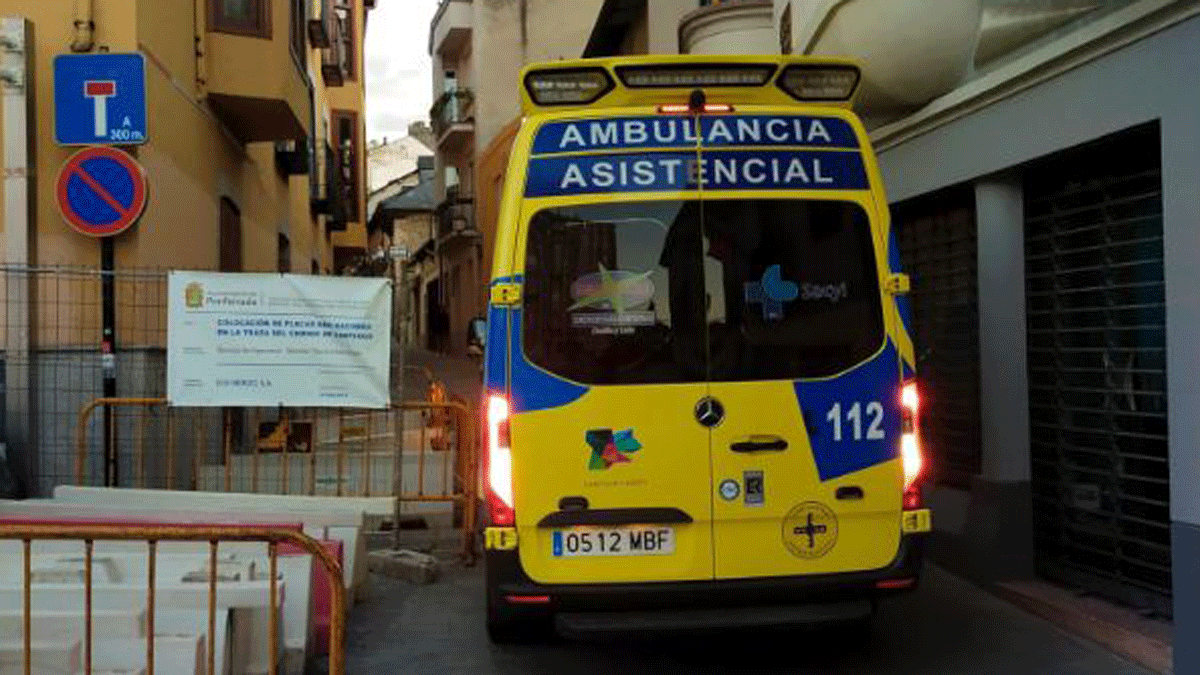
(398, 66)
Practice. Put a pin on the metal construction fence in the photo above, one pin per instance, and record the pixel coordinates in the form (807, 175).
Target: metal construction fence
(83, 638)
(86, 406)
(53, 358)
(318, 452)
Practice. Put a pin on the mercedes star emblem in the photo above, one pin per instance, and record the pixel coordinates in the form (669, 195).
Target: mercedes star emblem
(709, 412)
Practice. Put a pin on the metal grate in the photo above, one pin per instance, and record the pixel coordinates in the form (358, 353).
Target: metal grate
(936, 234)
(1097, 369)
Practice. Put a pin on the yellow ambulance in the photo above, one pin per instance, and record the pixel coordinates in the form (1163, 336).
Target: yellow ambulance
(700, 401)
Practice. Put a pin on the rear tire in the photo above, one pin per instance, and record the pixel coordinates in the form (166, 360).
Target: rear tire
(504, 627)
(507, 625)
(507, 632)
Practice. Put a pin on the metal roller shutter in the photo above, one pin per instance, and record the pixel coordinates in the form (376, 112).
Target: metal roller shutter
(1097, 369)
(936, 234)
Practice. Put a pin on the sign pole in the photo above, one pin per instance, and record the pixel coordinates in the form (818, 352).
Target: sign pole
(108, 358)
(398, 411)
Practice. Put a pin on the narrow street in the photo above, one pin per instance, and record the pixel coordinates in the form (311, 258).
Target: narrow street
(949, 627)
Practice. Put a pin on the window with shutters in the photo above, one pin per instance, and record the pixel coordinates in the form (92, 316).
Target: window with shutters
(343, 12)
(937, 238)
(230, 237)
(348, 160)
(251, 18)
(1097, 359)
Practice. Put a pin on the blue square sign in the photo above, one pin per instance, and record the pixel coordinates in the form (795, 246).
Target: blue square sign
(100, 99)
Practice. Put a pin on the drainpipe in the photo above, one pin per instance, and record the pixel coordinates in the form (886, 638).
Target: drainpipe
(84, 27)
(201, 37)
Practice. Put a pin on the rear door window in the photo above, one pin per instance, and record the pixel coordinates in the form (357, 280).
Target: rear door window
(614, 293)
(642, 293)
(793, 289)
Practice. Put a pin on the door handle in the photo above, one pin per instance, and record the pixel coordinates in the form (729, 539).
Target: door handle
(759, 444)
(573, 504)
(849, 492)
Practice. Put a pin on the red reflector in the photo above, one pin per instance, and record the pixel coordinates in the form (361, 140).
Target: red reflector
(912, 498)
(896, 583)
(527, 599)
(100, 88)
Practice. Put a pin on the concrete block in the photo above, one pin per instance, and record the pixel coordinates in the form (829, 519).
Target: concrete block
(168, 622)
(182, 655)
(69, 625)
(52, 657)
(199, 512)
(411, 566)
(336, 518)
(252, 503)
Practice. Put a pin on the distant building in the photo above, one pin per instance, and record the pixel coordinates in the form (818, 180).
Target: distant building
(402, 221)
(478, 50)
(389, 159)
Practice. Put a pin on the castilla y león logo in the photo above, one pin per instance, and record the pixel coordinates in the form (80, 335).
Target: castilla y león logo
(193, 295)
(611, 447)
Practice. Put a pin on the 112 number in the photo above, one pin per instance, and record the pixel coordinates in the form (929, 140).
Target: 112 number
(854, 416)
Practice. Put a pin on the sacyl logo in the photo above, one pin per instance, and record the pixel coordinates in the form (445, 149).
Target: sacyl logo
(834, 293)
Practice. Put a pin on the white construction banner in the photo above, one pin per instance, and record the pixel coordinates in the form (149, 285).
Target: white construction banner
(269, 340)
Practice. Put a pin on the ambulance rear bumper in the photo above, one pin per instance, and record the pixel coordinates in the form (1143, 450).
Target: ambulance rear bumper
(506, 578)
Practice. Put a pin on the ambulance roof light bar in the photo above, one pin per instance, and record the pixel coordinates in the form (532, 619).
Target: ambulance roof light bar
(819, 82)
(646, 80)
(694, 75)
(568, 86)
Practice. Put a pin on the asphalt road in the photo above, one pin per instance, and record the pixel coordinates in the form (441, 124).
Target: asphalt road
(947, 627)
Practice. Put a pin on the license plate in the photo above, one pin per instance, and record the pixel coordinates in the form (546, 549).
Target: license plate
(614, 542)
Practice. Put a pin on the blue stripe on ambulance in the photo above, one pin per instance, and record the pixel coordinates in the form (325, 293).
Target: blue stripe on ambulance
(668, 132)
(872, 382)
(677, 171)
(495, 375)
(533, 388)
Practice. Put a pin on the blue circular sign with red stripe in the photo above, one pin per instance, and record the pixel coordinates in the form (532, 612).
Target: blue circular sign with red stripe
(101, 191)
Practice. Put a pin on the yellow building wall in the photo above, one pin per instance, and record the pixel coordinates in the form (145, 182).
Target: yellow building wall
(191, 161)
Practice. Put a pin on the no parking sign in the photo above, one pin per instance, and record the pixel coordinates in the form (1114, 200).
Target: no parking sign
(101, 191)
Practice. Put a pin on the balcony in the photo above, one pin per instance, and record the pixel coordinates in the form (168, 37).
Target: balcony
(455, 218)
(335, 61)
(729, 27)
(269, 101)
(453, 119)
(320, 24)
(450, 31)
(333, 198)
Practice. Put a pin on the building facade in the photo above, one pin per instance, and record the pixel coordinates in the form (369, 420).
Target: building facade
(403, 225)
(253, 147)
(254, 160)
(478, 49)
(1039, 159)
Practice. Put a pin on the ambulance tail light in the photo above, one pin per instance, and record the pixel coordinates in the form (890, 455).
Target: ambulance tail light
(819, 83)
(568, 86)
(498, 462)
(910, 444)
